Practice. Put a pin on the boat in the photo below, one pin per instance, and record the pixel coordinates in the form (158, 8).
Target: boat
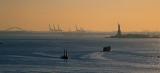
(65, 56)
(107, 49)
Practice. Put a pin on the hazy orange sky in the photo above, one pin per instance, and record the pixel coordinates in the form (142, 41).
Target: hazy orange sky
(93, 15)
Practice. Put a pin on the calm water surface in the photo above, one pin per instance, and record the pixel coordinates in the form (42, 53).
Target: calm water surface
(40, 54)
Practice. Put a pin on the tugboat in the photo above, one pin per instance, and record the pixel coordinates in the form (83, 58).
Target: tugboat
(107, 49)
(65, 56)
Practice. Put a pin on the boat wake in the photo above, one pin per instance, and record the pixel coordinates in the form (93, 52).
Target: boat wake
(46, 55)
(96, 56)
(106, 60)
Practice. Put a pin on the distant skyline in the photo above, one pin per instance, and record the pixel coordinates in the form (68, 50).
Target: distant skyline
(92, 15)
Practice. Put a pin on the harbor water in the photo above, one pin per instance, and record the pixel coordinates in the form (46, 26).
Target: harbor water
(41, 54)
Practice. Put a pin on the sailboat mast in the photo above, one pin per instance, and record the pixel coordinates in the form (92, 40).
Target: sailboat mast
(66, 53)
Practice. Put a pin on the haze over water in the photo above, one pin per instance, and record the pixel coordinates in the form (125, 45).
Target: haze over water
(93, 15)
(90, 24)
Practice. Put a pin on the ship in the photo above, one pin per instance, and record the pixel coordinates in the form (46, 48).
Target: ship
(65, 55)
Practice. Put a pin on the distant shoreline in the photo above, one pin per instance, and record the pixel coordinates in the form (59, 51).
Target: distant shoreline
(135, 36)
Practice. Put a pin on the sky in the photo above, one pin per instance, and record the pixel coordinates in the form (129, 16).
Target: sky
(92, 15)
